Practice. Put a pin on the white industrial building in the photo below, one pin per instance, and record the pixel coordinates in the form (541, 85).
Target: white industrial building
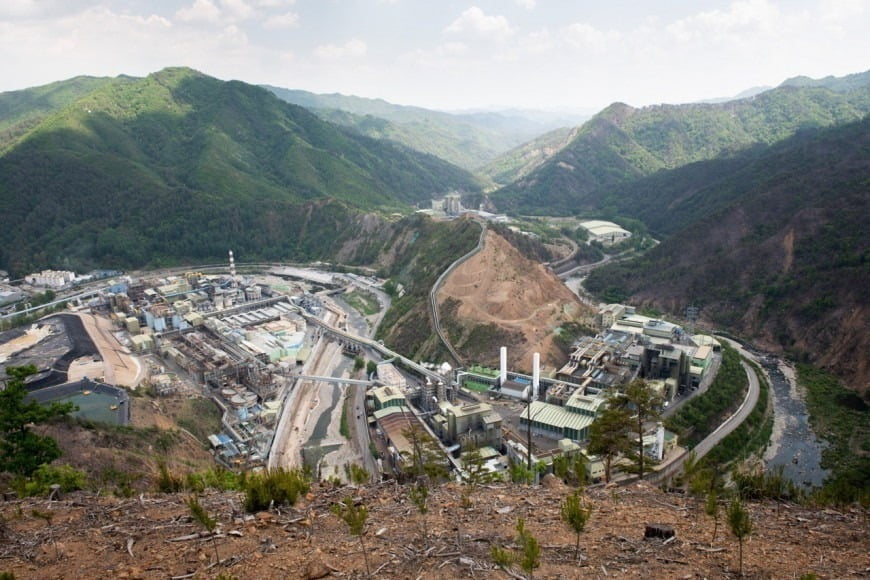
(607, 233)
(50, 278)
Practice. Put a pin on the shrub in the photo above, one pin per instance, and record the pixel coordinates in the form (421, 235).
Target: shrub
(274, 487)
(168, 482)
(68, 477)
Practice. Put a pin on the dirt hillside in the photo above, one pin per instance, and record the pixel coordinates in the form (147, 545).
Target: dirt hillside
(500, 298)
(153, 536)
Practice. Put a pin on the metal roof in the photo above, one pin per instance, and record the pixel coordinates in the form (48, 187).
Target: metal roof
(556, 416)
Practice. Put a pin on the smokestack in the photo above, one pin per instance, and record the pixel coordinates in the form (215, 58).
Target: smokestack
(232, 268)
(536, 375)
(660, 441)
(502, 376)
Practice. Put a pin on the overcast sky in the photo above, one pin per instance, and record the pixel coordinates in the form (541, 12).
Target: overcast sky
(447, 54)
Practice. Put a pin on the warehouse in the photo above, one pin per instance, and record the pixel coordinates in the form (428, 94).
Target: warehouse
(607, 233)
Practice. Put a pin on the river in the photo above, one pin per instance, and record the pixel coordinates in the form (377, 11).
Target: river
(793, 445)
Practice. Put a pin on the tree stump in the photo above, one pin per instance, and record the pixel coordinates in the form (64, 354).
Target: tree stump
(662, 531)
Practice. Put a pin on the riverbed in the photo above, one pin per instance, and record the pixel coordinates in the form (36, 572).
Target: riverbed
(793, 445)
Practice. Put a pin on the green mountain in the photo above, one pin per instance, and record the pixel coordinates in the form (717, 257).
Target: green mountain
(21, 111)
(769, 243)
(468, 140)
(622, 144)
(839, 84)
(181, 166)
(522, 160)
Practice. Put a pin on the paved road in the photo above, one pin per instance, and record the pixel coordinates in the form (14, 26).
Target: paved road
(433, 294)
(725, 429)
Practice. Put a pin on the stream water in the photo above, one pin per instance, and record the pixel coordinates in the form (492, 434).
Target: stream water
(313, 450)
(794, 446)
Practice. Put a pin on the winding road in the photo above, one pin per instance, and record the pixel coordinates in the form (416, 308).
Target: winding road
(725, 429)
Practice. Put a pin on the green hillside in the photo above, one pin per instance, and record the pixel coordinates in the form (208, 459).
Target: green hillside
(522, 160)
(21, 111)
(181, 166)
(466, 140)
(622, 144)
(770, 243)
(841, 84)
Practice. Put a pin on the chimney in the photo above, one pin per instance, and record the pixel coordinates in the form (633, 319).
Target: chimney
(502, 377)
(660, 441)
(232, 268)
(536, 375)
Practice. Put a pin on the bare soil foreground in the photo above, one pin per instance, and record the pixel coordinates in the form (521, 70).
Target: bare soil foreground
(153, 537)
(523, 299)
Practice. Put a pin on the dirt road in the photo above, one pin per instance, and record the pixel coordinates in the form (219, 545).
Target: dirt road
(119, 367)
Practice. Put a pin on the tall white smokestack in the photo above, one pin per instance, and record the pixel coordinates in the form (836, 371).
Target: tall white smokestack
(536, 375)
(660, 442)
(232, 268)
(502, 375)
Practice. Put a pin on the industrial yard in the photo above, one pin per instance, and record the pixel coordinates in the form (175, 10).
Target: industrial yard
(275, 352)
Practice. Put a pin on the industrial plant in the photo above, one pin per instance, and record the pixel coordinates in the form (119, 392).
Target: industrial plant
(254, 344)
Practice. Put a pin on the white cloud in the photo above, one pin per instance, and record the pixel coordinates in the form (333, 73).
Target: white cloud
(585, 36)
(286, 20)
(274, 3)
(200, 11)
(475, 21)
(224, 11)
(527, 4)
(233, 36)
(443, 56)
(352, 49)
(730, 24)
(237, 9)
(537, 42)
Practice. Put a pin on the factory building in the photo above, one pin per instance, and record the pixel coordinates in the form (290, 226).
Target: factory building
(387, 396)
(606, 233)
(570, 421)
(51, 278)
(397, 425)
(470, 426)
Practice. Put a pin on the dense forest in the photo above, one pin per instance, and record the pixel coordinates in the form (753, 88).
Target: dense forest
(769, 243)
(179, 166)
(622, 144)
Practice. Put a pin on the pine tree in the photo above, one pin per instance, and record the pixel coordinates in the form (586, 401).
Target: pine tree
(21, 450)
(206, 521)
(575, 515)
(740, 523)
(643, 404)
(608, 436)
(711, 508)
(530, 557)
(419, 494)
(355, 517)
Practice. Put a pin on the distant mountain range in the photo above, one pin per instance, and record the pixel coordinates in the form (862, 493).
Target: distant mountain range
(469, 140)
(760, 203)
(622, 144)
(769, 243)
(182, 166)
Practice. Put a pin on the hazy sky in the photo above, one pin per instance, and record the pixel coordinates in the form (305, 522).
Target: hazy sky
(447, 54)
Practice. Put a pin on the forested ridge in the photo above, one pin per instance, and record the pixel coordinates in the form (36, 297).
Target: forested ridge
(769, 243)
(180, 166)
(622, 144)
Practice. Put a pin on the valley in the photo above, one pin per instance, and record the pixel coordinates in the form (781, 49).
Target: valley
(470, 304)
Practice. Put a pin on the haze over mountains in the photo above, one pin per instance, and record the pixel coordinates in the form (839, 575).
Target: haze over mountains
(758, 201)
(469, 140)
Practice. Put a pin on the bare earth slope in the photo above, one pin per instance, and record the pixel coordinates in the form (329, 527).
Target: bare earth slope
(154, 537)
(500, 298)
